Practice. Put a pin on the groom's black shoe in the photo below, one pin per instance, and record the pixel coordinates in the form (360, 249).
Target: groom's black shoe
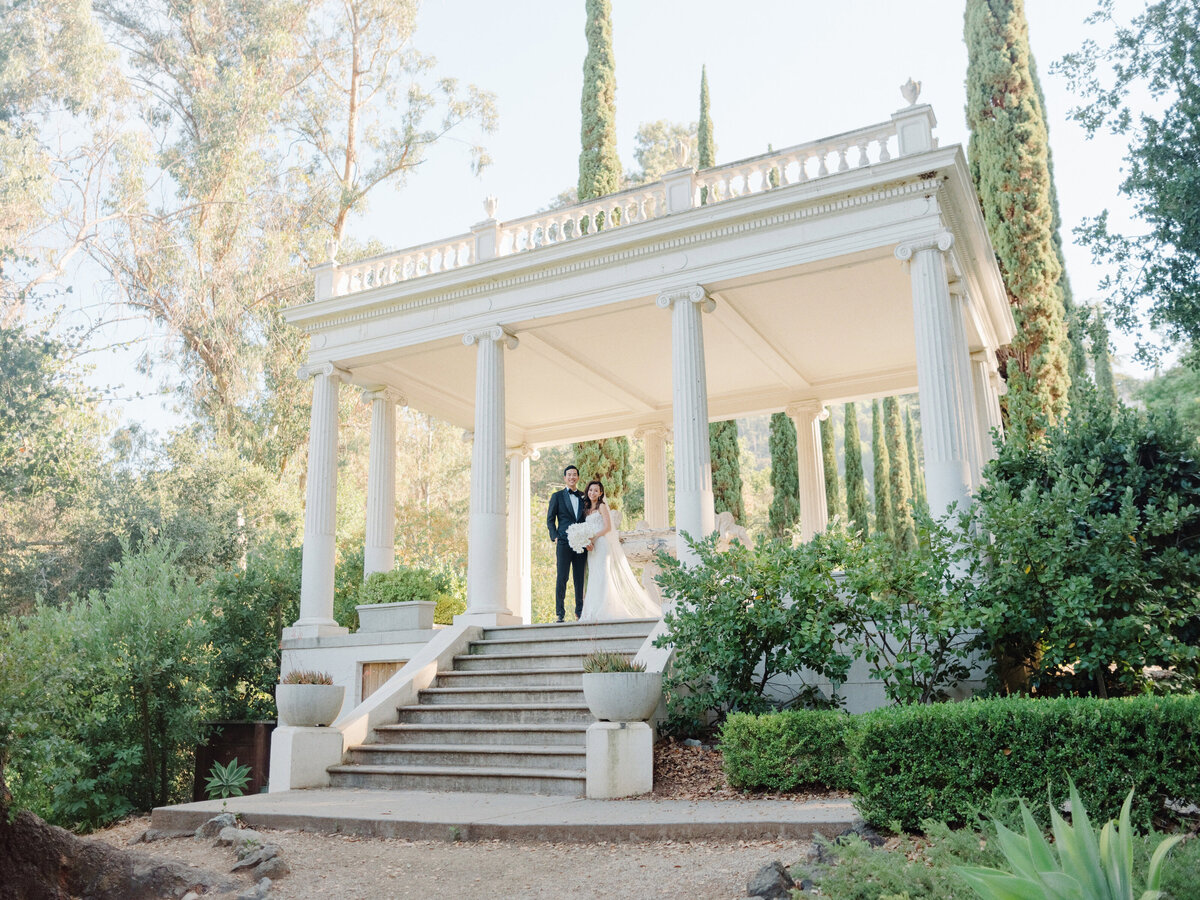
(559, 620)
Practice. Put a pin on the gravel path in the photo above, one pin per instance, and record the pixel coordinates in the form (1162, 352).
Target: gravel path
(324, 866)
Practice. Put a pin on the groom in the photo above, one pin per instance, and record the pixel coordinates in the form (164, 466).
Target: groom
(565, 510)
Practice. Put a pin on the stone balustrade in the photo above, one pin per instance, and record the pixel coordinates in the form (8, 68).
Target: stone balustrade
(794, 165)
(403, 265)
(768, 171)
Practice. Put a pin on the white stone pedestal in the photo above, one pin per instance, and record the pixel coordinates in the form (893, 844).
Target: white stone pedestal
(300, 757)
(620, 760)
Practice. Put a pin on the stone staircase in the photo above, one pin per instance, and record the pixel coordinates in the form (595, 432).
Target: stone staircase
(509, 717)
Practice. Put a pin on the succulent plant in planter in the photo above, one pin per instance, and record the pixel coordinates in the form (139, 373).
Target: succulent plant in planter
(619, 690)
(307, 698)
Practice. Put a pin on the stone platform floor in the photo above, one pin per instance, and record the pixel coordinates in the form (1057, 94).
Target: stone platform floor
(435, 815)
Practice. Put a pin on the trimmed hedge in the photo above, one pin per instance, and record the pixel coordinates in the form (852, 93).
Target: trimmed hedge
(948, 761)
(787, 750)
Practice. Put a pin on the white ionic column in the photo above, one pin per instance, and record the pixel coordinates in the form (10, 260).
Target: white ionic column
(814, 514)
(379, 552)
(520, 578)
(487, 582)
(975, 446)
(987, 404)
(945, 395)
(655, 438)
(693, 466)
(320, 512)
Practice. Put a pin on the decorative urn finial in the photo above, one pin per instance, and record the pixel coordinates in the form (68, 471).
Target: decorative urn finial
(681, 152)
(490, 205)
(911, 91)
(331, 249)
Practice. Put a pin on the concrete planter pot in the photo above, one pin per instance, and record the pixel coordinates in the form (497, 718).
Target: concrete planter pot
(308, 704)
(409, 615)
(622, 696)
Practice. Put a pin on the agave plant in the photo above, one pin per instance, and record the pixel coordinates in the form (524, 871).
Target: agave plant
(227, 781)
(607, 661)
(306, 676)
(1085, 868)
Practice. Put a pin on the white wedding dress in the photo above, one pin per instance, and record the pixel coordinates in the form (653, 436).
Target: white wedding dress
(612, 590)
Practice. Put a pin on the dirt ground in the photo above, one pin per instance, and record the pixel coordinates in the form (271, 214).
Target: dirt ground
(324, 866)
(355, 868)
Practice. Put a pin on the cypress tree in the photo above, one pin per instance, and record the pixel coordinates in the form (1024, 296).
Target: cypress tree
(605, 460)
(904, 532)
(600, 174)
(707, 147)
(726, 469)
(920, 501)
(883, 492)
(833, 488)
(1075, 320)
(1008, 155)
(784, 513)
(599, 166)
(1101, 358)
(857, 505)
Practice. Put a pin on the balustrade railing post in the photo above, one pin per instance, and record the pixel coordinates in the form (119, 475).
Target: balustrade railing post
(914, 129)
(680, 187)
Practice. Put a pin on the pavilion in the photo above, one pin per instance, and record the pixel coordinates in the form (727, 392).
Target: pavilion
(852, 267)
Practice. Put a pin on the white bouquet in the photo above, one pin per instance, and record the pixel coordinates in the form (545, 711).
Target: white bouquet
(580, 535)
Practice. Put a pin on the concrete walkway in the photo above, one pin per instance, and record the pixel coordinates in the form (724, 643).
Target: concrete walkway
(430, 815)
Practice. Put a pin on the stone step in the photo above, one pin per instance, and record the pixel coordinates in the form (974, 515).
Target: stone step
(574, 644)
(517, 678)
(500, 714)
(517, 756)
(592, 629)
(548, 660)
(502, 694)
(460, 778)
(503, 734)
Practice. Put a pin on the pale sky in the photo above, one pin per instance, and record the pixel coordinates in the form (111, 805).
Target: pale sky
(779, 73)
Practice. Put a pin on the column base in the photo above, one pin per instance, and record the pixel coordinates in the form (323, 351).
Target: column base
(488, 619)
(620, 760)
(301, 756)
(313, 629)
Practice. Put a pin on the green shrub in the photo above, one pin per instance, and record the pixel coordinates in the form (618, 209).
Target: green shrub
(913, 613)
(404, 583)
(745, 617)
(250, 609)
(950, 760)
(1093, 569)
(113, 695)
(787, 750)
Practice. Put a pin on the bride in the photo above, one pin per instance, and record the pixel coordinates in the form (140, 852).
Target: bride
(612, 590)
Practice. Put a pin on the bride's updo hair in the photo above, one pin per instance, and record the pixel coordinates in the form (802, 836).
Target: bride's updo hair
(588, 494)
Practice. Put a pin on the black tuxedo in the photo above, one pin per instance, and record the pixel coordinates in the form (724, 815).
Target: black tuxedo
(560, 517)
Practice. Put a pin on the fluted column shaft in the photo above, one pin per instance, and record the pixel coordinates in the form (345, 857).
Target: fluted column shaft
(520, 579)
(379, 552)
(320, 512)
(814, 514)
(945, 396)
(987, 404)
(975, 446)
(486, 549)
(655, 438)
(693, 466)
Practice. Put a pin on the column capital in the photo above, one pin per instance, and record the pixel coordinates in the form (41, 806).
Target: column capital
(491, 333)
(694, 293)
(387, 394)
(311, 370)
(942, 241)
(524, 451)
(808, 410)
(653, 428)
